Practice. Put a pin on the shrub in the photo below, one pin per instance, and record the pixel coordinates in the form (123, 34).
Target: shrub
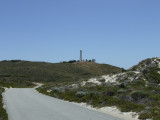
(122, 85)
(0, 89)
(3, 114)
(125, 97)
(55, 89)
(155, 76)
(155, 97)
(102, 80)
(137, 95)
(153, 114)
(110, 91)
(139, 83)
(91, 93)
(126, 106)
(144, 116)
(121, 91)
(81, 94)
(130, 73)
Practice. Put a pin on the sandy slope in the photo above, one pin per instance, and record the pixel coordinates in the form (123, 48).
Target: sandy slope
(27, 104)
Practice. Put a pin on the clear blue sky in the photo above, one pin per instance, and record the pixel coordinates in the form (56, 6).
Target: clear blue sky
(117, 32)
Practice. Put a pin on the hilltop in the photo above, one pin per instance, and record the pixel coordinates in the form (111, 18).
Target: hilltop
(18, 70)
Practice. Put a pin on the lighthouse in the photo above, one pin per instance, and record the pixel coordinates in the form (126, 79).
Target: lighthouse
(80, 56)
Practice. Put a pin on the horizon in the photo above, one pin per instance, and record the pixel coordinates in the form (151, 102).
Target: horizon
(119, 33)
(76, 60)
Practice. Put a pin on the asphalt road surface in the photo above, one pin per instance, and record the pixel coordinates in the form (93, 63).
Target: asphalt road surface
(27, 104)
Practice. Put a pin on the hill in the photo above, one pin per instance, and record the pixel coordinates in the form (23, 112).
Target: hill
(20, 74)
(135, 90)
(17, 70)
(149, 69)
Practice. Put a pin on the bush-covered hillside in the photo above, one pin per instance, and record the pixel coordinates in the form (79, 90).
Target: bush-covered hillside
(136, 90)
(18, 70)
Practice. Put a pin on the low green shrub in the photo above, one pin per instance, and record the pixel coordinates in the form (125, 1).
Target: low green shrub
(121, 91)
(137, 95)
(3, 114)
(81, 94)
(122, 85)
(128, 98)
(129, 106)
(0, 89)
(144, 116)
(102, 80)
(110, 91)
(155, 97)
(154, 76)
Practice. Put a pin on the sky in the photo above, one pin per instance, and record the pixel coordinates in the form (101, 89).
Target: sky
(116, 32)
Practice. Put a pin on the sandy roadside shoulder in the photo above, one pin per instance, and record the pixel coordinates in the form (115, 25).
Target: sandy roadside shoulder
(113, 111)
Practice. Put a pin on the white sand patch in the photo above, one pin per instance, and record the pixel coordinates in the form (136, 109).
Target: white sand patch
(114, 78)
(107, 78)
(110, 78)
(83, 83)
(115, 112)
(94, 80)
(49, 90)
(158, 64)
(74, 85)
(38, 84)
(3, 100)
(5, 88)
(4, 106)
(137, 72)
(112, 111)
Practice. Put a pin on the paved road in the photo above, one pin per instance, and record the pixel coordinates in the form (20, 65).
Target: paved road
(27, 104)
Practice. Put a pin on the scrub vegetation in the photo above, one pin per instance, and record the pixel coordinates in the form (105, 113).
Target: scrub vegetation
(136, 90)
(140, 99)
(3, 114)
(19, 70)
(21, 74)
